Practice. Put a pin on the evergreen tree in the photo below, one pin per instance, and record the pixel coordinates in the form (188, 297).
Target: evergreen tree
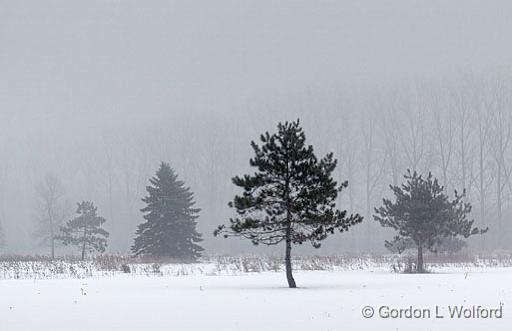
(85, 231)
(291, 198)
(448, 245)
(170, 226)
(424, 216)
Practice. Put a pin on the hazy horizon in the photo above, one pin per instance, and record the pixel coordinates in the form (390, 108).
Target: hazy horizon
(99, 92)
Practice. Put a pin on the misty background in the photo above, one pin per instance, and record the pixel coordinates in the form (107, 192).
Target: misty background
(97, 93)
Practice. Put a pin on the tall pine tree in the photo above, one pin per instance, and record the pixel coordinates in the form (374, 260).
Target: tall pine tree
(291, 198)
(170, 226)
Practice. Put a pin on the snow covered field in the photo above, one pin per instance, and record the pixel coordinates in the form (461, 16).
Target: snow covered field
(326, 300)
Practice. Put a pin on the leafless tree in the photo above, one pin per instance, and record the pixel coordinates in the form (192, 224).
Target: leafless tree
(484, 119)
(500, 144)
(375, 160)
(463, 113)
(444, 136)
(52, 211)
(413, 133)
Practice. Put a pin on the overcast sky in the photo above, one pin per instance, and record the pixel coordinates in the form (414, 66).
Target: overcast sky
(73, 72)
(153, 57)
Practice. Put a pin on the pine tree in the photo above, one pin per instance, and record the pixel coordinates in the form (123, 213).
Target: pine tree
(424, 216)
(85, 231)
(291, 198)
(170, 226)
(448, 245)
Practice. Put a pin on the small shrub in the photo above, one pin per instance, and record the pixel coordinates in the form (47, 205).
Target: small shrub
(125, 268)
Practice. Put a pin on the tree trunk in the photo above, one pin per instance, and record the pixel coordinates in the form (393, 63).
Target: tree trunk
(84, 242)
(83, 251)
(288, 234)
(52, 242)
(288, 262)
(52, 232)
(53, 248)
(499, 200)
(419, 267)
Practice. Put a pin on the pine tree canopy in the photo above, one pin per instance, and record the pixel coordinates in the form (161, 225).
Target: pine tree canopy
(85, 230)
(291, 196)
(424, 215)
(170, 223)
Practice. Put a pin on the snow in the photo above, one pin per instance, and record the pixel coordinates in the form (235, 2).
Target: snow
(326, 300)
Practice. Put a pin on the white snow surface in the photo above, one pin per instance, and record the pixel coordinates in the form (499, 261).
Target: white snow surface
(325, 300)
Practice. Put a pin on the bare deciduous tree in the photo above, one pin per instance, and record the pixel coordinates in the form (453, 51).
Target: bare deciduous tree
(52, 211)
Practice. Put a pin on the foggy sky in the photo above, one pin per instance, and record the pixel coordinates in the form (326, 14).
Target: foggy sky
(134, 83)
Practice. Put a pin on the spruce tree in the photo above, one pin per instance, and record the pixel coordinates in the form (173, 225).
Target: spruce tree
(170, 226)
(85, 231)
(424, 216)
(290, 199)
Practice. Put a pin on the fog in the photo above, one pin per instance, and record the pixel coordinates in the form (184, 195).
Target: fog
(97, 93)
